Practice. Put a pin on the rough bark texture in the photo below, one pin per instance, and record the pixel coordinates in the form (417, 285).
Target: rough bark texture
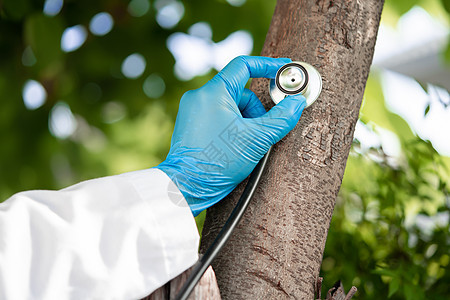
(206, 288)
(337, 292)
(276, 251)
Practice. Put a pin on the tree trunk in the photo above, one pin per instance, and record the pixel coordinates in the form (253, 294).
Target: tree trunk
(276, 251)
(206, 288)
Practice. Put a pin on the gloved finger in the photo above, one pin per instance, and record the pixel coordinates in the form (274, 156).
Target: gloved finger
(236, 74)
(282, 118)
(250, 105)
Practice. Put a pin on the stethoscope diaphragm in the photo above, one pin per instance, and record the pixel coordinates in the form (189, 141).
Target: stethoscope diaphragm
(296, 78)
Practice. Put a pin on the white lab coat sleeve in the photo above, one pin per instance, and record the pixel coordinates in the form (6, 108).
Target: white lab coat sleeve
(117, 237)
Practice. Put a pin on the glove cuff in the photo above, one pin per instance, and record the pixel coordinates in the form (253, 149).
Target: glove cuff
(198, 194)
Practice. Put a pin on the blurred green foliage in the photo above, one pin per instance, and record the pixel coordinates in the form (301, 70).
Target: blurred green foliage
(377, 240)
(90, 81)
(390, 233)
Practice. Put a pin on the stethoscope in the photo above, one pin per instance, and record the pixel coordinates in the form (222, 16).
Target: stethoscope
(292, 78)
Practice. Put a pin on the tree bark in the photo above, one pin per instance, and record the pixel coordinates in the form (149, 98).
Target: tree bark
(276, 251)
(206, 288)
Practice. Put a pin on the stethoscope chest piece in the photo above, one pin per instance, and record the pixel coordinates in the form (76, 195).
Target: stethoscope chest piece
(296, 78)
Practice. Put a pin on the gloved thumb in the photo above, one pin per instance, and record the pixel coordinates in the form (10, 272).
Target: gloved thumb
(282, 118)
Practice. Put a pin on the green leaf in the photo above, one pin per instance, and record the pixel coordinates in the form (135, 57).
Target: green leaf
(43, 34)
(413, 292)
(375, 110)
(200, 220)
(16, 9)
(424, 86)
(446, 5)
(409, 292)
(393, 286)
(427, 110)
(402, 6)
(385, 272)
(447, 53)
(400, 127)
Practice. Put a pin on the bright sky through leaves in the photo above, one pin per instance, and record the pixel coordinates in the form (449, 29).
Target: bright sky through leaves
(133, 66)
(73, 38)
(34, 94)
(62, 123)
(101, 24)
(404, 95)
(52, 7)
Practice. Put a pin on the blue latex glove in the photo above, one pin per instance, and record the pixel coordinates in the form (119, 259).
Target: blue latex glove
(222, 131)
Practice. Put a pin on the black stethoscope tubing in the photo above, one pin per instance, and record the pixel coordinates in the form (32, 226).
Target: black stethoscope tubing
(226, 231)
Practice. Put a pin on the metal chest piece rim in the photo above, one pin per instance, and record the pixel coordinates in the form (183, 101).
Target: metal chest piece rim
(296, 78)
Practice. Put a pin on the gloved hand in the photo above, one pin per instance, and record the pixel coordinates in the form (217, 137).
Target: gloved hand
(222, 131)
